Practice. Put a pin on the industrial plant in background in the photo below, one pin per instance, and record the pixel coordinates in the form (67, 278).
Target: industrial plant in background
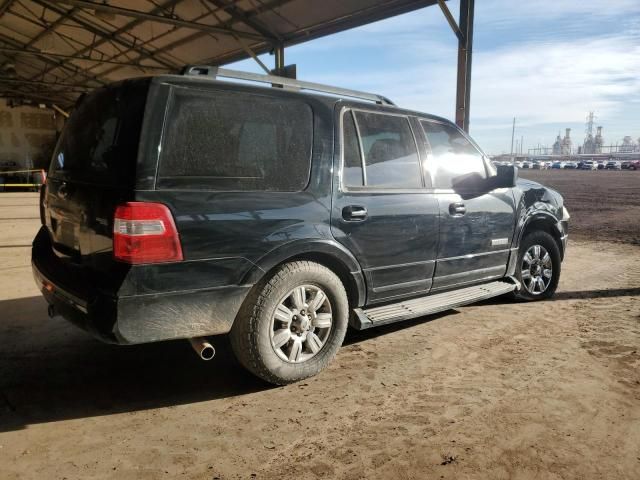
(592, 146)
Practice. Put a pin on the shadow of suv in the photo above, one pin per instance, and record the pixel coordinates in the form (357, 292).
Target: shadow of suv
(181, 206)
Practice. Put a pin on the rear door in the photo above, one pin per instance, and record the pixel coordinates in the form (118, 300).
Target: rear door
(476, 224)
(382, 211)
(93, 169)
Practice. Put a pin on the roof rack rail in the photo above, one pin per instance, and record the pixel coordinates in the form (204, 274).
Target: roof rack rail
(217, 72)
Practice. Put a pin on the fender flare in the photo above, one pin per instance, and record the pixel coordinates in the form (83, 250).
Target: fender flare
(324, 247)
(533, 216)
(530, 216)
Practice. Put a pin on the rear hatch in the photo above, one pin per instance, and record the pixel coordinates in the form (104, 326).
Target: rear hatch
(93, 169)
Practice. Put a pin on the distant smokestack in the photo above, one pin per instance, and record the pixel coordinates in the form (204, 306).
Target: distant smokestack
(568, 133)
(599, 131)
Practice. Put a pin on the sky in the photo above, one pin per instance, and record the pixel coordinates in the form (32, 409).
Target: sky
(546, 62)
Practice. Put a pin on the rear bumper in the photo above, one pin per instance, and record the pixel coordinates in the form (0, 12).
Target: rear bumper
(133, 319)
(151, 318)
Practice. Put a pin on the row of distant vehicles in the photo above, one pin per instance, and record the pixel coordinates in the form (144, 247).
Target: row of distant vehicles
(582, 165)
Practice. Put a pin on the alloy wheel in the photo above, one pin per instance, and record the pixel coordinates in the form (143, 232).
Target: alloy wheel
(301, 324)
(536, 270)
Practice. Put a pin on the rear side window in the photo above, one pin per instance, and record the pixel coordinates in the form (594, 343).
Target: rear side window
(99, 143)
(454, 157)
(230, 141)
(388, 148)
(352, 172)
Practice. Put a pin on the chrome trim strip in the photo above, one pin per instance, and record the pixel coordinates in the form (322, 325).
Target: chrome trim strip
(471, 255)
(396, 286)
(471, 272)
(452, 286)
(410, 264)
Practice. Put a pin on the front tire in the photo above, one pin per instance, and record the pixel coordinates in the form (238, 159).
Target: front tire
(538, 267)
(292, 324)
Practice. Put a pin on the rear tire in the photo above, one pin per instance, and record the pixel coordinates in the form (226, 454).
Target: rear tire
(538, 267)
(292, 324)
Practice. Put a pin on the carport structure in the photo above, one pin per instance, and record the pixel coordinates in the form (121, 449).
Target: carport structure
(51, 52)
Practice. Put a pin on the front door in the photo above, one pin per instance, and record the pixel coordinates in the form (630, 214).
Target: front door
(476, 226)
(382, 211)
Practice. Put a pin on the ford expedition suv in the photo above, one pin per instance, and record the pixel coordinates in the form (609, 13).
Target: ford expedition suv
(184, 206)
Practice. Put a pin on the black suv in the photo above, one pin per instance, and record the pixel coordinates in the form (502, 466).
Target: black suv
(182, 206)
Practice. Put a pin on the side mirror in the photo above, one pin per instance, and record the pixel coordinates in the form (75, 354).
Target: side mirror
(506, 177)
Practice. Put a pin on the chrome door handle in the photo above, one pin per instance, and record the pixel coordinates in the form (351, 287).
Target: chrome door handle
(457, 209)
(354, 213)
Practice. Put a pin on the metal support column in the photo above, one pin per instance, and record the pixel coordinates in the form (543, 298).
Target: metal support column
(465, 47)
(279, 58)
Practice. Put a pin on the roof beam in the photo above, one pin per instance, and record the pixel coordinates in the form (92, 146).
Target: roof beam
(25, 81)
(40, 95)
(56, 63)
(4, 6)
(47, 28)
(37, 53)
(241, 16)
(452, 21)
(126, 12)
(261, 9)
(111, 36)
(124, 28)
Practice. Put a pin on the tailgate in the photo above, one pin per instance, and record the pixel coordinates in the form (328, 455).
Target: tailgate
(93, 169)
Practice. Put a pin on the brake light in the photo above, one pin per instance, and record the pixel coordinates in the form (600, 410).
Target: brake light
(145, 233)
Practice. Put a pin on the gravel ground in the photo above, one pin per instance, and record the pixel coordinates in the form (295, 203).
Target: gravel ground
(546, 390)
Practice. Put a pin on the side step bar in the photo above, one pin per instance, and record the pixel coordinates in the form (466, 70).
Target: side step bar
(430, 304)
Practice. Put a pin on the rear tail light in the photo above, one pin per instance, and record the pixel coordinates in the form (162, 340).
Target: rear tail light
(145, 233)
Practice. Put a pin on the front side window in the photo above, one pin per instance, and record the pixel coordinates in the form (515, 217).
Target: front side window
(229, 141)
(453, 157)
(389, 150)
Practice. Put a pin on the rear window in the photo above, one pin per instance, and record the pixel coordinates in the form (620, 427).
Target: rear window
(99, 143)
(234, 142)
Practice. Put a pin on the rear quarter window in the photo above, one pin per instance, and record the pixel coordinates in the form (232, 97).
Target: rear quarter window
(235, 142)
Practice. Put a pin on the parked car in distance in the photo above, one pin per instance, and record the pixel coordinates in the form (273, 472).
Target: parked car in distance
(613, 165)
(527, 164)
(537, 166)
(601, 165)
(559, 165)
(634, 165)
(589, 165)
(278, 217)
(570, 165)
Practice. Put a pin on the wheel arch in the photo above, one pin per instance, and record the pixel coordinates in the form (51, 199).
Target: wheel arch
(545, 222)
(325, 252)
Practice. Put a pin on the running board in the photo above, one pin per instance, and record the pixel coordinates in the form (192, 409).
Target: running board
(428, 305)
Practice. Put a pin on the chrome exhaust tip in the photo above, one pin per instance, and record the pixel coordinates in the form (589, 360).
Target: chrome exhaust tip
(203, 348)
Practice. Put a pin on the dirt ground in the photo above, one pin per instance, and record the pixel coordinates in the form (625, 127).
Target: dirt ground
(605, 205)
(500, 390)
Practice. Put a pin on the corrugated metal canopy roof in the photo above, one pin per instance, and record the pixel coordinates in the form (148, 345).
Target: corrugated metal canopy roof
(52, 51)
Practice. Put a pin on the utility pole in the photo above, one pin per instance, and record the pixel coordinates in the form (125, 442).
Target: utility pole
(513, 131)
(521, 144)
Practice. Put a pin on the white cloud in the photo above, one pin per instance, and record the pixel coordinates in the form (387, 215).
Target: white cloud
(547, 62)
